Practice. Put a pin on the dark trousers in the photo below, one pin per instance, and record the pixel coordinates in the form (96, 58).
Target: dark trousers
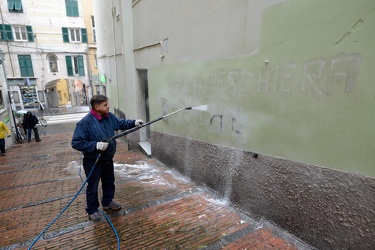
(104, 171)
(2, 145)
(36, 133)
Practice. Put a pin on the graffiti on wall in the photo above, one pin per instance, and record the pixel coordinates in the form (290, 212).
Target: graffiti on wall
(317, 78)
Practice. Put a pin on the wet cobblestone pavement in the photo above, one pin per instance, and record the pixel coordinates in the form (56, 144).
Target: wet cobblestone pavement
(161, 209)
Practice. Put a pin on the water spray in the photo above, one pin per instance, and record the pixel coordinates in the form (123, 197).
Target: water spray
(201, 108)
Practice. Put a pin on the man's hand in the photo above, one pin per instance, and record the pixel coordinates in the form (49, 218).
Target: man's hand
(8, 136)
(138, 122)
(102, 146)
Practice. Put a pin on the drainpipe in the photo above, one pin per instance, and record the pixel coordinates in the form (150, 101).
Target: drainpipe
(10, 57)
(89, 73)
(9, 95)
(114, 50)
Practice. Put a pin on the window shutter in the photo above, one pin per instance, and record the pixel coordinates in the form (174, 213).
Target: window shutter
(10, 5)
(18, 6)
(81, 67)
(21, 60)
(71, 7)
(26, 65)
(30, 35)
(75, 8)
(84, 35)
(6, 32)
(65, 34)
(68, 8)
(2, 33)
(29, 65)
(69, 65)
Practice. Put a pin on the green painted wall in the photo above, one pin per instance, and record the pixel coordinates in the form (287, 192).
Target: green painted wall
(313, 102)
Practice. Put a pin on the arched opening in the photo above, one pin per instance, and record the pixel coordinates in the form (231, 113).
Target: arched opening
(52, 61)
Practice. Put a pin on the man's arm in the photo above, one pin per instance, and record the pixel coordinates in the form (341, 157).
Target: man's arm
(122, 124)
(80, 140)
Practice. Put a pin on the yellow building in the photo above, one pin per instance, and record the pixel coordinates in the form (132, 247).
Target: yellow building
(62, 92)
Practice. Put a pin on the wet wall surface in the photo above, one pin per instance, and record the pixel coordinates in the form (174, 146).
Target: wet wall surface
(327, 208)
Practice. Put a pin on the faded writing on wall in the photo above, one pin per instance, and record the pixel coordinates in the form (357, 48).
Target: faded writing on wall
(318, 78)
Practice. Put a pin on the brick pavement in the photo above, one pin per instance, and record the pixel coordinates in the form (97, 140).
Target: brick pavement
(162, 210)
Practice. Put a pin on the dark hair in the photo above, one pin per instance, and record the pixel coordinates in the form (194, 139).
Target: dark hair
(98, 99)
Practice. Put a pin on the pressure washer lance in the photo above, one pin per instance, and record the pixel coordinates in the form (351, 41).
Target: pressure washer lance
(203, 108)
(144, 125)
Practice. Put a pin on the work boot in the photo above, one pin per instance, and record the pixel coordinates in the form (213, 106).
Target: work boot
(113, 206)
(95, 217)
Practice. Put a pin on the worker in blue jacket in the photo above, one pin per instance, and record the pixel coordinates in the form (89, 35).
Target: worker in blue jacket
(90, 137)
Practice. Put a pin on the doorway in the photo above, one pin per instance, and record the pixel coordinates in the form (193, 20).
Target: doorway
(144, 104)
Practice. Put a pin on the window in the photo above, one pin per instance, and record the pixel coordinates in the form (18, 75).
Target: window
(26, 65)
(20, 33)
(74, 35)
(15, 6)
(71, 7)
(23, 33)
(52, 61)
(75, 65)
(41, 95)
(28, 94)
(6, 32)
(93, 29)
(16, 97)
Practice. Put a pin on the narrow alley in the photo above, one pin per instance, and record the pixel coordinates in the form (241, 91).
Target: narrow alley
(162, 209)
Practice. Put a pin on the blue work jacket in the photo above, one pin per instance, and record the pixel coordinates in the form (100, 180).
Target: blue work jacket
(89, 130)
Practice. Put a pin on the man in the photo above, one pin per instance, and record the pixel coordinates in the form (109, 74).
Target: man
(90, 137)
(3, 133)
(31, 121)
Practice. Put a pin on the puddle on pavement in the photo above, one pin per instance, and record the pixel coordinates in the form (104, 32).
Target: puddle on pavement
(141, 170)
(147, 173)
(73, 168)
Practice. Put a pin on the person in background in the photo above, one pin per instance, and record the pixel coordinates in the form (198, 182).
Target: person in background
(90, 137)
(31, 121)
(4, 132)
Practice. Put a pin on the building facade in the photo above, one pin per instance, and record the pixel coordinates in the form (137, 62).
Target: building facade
(288, 134)
(44, 42)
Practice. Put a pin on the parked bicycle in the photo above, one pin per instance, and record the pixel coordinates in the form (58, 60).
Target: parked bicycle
(18, 136)
(41, 120)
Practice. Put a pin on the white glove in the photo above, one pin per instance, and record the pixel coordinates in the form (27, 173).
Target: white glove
(102, 146)
(138, 122)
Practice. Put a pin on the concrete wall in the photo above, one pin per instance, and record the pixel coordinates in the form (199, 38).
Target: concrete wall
(287, 81)
(327, 208)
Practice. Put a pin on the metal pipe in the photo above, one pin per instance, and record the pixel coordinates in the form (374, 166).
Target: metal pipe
(144, 125)
(7, 43)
